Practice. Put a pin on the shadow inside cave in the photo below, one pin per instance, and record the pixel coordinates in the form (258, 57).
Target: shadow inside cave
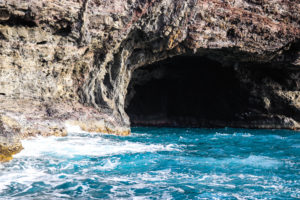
(186, 91)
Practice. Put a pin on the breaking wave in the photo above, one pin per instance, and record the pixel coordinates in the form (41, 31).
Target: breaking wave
(156, 164)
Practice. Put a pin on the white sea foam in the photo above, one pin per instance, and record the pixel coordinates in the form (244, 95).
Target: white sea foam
(73, 129)
(167, 196)
(296, 146)
(108, 165)
(25, 171)
(259, 161)
(140, 135)
(221, 134)
(156, 176)
(239, 197)
(82, 159)
(140, 198)
(243, 134)
(25, 177)
(214, 179)
(252, 160)
(89, 146)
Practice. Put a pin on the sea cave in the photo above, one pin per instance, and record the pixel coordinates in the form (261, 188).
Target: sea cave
(196, 91)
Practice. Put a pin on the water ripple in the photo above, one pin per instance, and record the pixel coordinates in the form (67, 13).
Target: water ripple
(157, 164)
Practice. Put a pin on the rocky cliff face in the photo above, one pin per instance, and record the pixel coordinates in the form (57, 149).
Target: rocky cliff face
(71, 61)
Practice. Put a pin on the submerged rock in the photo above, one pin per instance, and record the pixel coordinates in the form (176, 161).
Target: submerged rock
(72, 61)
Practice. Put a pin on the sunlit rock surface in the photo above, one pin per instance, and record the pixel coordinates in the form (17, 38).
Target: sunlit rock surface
(71, 61)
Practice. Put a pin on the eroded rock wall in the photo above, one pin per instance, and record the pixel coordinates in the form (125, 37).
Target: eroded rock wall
(72, 60)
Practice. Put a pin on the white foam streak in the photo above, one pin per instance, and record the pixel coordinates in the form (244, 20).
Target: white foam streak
(22, 176)
(89, 146)
(73, 129)
(90, 163)
(252, 160)
(59, 149)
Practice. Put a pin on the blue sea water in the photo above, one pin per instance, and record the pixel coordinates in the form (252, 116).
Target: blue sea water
(157, 163)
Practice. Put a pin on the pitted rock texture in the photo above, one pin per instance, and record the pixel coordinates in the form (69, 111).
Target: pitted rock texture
(71, 60)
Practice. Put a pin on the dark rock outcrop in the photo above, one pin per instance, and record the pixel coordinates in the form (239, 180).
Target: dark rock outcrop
(71, 61)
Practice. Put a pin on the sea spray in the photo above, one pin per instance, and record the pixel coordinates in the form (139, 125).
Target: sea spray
(156, 163)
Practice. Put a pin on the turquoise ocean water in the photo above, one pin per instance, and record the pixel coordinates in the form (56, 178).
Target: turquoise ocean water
(157, 163)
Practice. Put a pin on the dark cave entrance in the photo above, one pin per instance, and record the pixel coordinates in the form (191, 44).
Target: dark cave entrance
(185, 91)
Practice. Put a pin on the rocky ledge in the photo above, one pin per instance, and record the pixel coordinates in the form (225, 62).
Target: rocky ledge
(71, 62)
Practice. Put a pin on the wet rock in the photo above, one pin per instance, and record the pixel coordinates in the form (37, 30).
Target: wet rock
(9, 141)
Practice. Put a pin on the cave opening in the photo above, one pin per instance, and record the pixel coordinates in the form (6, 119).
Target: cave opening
(186, 91)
